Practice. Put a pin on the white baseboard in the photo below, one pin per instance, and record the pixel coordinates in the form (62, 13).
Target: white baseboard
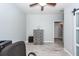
(44, 42)
(48, 42)
(68, 52)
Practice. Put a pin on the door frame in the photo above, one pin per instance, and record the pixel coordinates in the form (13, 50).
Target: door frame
(63, 30)
(75, 29)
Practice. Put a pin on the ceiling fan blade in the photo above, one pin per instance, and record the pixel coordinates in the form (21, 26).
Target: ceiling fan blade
(52, 4)
(31, 5)
(42, 8)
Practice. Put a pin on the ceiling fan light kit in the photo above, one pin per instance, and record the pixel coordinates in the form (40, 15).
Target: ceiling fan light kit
(42, 4)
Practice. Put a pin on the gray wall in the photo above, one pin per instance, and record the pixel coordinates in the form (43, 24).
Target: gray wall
(42, 21)
(12, 23)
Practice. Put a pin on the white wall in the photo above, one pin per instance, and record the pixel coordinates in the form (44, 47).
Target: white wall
(12, 23)
(42, 21)
(68, 27)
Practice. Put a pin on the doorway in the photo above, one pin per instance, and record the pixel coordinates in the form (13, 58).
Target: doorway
(58, 33)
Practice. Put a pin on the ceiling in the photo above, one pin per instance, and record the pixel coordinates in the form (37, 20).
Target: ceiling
(37, 9)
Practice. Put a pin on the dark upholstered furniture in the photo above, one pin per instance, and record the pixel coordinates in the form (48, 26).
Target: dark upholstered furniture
(4, 43)
(15, 49)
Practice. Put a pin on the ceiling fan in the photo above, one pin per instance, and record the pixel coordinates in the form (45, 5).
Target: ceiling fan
(42, 5)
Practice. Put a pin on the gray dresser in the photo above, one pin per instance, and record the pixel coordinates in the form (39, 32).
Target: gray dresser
(38, 36)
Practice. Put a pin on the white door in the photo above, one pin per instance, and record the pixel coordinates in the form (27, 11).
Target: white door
(76, 33)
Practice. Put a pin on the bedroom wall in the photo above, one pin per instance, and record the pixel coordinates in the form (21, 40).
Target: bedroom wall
(12, 23)
(42, 21)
